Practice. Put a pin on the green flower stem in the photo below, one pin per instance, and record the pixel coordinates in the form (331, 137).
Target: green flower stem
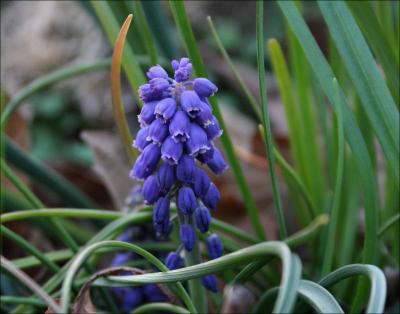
(29, 248)
(160, 307)
(84, 254)
(266, 121)
(186, 32)
(291, 271)
(196, 290)
(47, 80)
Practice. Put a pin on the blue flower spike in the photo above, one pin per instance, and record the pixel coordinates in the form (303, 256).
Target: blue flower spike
(178, 128)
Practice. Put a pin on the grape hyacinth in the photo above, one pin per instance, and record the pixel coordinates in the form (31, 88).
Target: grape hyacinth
(176, 136)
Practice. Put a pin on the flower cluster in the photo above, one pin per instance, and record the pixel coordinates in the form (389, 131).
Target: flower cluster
(176, 136)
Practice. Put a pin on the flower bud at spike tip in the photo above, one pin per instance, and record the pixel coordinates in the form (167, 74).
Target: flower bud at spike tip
(188, 236)
(157, 71)
(151, 190)
(186, 200)
(203, 219)
(214, 246)
(159, 84)
(173, 261)
(204, 87)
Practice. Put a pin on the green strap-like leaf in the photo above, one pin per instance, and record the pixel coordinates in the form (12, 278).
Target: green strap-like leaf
(354, 137)
(362, 69)
(315, 295)
(377, 297)
(372, 30)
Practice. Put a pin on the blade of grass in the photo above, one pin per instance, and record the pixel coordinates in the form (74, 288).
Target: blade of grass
(47, 80)
(289, 172)
(161, 27)
(266, 122)
(291, 109)
(315, 295)
(85, 253)
(129, 61)
(387, 12)
(5, 299)
(24, 278)
(45, 176)
(374, 94)
(144, 30)
(373, 32)
(255, 106)
(56, 224)
(389, 223)
(296, 135)
(311, 168)
(160, 307)
(25, 245)
(334, 212)
(377, 297)
(324, 75)
(118, 106)
(185, 29)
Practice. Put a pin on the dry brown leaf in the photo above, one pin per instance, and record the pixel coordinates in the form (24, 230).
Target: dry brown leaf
(110, 163)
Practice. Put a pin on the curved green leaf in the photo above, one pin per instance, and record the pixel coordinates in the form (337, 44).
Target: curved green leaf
(377, 297)
(162, 307)
(315, 295)
(84, 254)
(291, 271)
